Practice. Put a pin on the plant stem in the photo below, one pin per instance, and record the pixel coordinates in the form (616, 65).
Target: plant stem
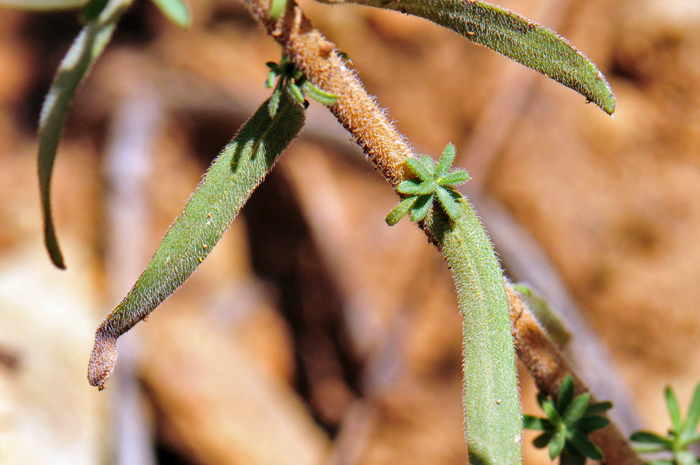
(386, 149)
(492, 410)
(548, 367)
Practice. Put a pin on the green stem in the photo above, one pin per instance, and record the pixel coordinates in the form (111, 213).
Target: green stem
(226, 187)
(491, 404)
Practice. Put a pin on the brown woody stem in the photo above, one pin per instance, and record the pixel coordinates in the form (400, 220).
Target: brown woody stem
(548, 366)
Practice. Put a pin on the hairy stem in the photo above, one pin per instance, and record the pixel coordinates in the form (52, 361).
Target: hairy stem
(387, 149)
(492, 410)
(548, 367)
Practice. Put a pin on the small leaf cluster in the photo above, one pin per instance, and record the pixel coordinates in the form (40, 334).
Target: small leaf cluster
(292, 80)
(432, 181)
(679, 437)
(569, 422)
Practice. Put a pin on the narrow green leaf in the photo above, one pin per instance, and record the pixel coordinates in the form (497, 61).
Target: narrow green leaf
(277, 8)
(598, 407)
(592, 423)
(450, 205)
(319, 95)
(542, 441)
(400, 210)
(76, 65)
(661, 462)
(429, 164)
(691, 421)
(541, 400)
(492, 415)
(566, 394)
(275, 100)
(418, 169)
(410, 186)
(455, 178)
(647, 448)
(674, 410)
(536, 423)
(92, 10)
(646, 437)
(576, 409)
(551, 411)
(556, 445)
(295, 92)
(43, 5)
(427, 187)
(176, 11)
(225, 188)
(422, 207)
(587, 448)
(446, 160)
(513, 36)
(571, 456)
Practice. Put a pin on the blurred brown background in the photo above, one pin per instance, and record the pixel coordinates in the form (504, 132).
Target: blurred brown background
(314, 333)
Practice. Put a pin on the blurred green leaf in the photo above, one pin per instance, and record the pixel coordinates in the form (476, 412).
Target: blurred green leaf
(176, 11)
(88, 46)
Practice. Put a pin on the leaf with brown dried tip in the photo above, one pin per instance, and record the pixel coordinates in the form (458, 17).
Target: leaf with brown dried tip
(231, 179)
(76, 65)
(511, 35)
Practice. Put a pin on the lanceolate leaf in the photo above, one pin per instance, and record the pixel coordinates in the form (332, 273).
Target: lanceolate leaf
(598, 407)
(592, 423)
(673, 410)
(43, 4)
(400, 210)
(535, 423)
(646, 437)
(691, 421)
(93, 9)
(513, 36)
(491, 404)
(176, 11)
(576, 409)
(231, 179)
(74, 67)
(587, 448)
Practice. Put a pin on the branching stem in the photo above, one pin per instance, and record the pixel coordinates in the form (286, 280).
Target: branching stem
(387, 150)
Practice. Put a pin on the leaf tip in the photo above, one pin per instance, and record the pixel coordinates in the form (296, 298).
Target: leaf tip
(103, 359)
(52, 246)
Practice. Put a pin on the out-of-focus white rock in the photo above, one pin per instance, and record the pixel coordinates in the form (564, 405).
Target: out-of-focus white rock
(48, 412)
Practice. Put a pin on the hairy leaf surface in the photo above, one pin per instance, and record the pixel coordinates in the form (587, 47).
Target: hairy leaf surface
(493, 419)
(225, 188)
(512, 35)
